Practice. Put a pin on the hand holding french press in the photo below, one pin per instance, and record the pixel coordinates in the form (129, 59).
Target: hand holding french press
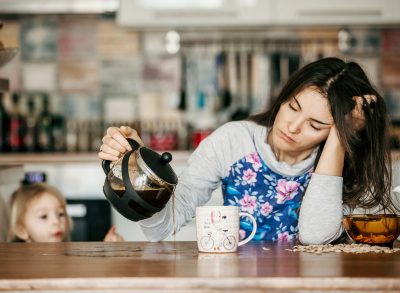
(115, 143)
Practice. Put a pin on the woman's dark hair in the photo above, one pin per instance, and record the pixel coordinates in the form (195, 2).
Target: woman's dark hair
(367, 173)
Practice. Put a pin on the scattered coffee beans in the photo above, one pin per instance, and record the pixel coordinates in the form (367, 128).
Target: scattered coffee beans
(347, 248)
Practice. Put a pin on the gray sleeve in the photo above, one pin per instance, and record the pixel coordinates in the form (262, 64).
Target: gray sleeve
(197, 181)
(321, 211)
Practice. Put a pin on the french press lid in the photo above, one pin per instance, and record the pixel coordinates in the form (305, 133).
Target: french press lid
(157, 166)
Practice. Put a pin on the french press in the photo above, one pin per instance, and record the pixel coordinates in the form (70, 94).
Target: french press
(141, 183)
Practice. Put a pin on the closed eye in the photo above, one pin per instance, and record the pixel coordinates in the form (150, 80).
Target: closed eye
(292, 107)
(296, 107)
(315, 128)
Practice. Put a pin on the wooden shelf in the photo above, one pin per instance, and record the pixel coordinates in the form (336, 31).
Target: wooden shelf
(34, 158)
(10, 159)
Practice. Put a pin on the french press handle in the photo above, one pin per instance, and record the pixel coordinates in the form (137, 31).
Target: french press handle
(134, 145)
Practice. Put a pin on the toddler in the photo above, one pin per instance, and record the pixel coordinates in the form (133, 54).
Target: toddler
(39, 214)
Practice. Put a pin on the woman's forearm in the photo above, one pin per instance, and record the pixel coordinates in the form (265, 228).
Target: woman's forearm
(321, 210)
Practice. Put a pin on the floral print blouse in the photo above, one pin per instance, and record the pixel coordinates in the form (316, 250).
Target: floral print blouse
(272, 199)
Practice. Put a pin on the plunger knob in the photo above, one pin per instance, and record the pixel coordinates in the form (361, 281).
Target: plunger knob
(166, 158)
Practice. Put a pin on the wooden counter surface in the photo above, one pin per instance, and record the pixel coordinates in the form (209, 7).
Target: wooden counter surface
(178, 267)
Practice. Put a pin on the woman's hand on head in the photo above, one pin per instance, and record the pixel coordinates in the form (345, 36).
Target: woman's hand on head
(358, 112)
(115, 142)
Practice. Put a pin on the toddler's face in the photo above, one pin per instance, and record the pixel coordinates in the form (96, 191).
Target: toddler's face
(46, 220)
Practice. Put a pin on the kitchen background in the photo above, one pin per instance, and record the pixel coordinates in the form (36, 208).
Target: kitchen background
(174, 70)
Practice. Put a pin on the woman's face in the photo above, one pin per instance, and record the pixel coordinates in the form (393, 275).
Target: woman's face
(45, 220)
(302, 122)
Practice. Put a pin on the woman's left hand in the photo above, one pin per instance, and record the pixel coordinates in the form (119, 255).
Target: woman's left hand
(357, 115)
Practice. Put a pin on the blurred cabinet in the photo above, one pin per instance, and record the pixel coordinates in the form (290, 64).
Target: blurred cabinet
(340, 12)
(176, 14)
(227, 13)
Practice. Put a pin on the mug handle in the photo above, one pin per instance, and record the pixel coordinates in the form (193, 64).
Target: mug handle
(244, 241)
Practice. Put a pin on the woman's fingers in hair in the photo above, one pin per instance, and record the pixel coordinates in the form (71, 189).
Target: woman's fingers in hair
(358, 113)
(365, 100)
(370, 98)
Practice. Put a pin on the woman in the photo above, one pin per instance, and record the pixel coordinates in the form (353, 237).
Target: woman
(320, 151)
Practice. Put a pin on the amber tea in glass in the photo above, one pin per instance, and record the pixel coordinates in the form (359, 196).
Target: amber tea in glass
(378, 229)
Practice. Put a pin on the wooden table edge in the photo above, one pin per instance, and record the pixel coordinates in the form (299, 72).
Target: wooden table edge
(218, 284)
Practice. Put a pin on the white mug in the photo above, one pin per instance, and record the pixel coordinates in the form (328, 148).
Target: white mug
(218, 228)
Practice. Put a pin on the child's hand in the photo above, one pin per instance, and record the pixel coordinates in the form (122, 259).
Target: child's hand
(113, 236)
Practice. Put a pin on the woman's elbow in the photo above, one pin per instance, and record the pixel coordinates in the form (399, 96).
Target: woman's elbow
(312, 238)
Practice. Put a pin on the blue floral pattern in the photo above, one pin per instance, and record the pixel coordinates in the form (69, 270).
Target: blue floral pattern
(272, 199)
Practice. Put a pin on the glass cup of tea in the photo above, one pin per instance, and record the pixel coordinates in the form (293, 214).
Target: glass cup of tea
(373, 229)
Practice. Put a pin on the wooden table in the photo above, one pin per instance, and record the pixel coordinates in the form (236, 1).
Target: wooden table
(178, 267)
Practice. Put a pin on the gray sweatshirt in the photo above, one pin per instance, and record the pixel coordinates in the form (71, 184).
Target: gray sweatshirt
(321, 210)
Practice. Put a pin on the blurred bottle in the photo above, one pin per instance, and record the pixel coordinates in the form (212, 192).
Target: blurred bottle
(145, 131)
(44, 128)
(202, 127)
(4, 125)
(72, 136)
(164, 136)
(30, 133)
(183, 140)
(95, 133)
(16, 131)
(59, 133)
(83, 136)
